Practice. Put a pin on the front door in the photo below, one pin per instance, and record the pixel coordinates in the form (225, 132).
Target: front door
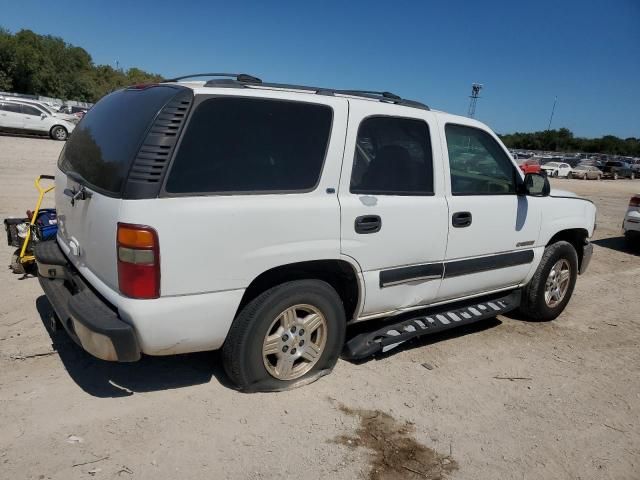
(393, 207)
(492, 230)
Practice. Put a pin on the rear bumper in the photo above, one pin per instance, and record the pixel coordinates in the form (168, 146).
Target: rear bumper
(90, 321)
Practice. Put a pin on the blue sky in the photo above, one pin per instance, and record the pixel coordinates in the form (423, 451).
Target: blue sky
(587, 53)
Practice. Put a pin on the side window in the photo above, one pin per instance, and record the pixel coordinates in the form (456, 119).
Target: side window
(251, 145)
(10, 107)
(29, 110)
(478, 165)
(393, 157)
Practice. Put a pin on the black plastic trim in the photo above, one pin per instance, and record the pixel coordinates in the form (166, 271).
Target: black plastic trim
(431, 271)
(492, 262)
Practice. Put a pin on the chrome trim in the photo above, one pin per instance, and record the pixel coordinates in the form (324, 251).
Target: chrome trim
(409, 280)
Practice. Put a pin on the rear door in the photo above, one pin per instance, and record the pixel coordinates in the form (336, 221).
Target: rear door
(98, 158)
(10, 115)
(492, 230)
(393, 208)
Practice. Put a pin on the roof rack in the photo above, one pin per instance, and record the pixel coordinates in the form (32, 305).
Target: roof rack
(244, 80)
(239, 77)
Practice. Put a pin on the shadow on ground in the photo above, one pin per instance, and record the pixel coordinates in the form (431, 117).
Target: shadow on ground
(110, 379)
(619, 244)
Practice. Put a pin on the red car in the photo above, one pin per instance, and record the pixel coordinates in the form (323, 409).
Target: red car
(529, 165)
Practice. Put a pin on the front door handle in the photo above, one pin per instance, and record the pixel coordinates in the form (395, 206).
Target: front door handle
(368, 224)
(461, 219)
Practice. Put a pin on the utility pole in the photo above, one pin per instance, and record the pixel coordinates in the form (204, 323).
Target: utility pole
(475, 94)
(553, 109)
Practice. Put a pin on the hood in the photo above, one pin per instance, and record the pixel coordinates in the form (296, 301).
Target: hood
(562, 193)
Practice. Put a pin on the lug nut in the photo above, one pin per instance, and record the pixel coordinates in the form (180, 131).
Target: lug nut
(285, 348)
(301, 332)
(301, 343)
(293, 351)
(285, 338)
(293, 329)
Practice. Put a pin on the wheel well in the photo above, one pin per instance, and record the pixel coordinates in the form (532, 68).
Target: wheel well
(576, 237)
(337, 273)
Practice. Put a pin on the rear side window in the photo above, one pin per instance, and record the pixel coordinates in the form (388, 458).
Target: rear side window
(251, 145)
(393, 157)
(104, 144)
(478, 165)
(10, 107)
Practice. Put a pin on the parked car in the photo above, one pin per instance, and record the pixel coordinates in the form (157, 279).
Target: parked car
(19, 117)
(557, 169)
(586, 172)
(45, 108)
(321, 210)
(529, 165)
(617, 169)
(631, 223)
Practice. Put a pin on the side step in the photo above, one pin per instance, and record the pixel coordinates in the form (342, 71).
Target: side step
(429, 321)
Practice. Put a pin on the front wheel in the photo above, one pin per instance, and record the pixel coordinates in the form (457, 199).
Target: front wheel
(288, 336)
(551, 287)
(59, 133)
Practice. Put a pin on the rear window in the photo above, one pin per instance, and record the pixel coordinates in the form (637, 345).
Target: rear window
(251, 145)
(105, 142)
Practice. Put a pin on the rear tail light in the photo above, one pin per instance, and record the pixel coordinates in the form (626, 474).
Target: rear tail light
(635, 201)
(138, 261)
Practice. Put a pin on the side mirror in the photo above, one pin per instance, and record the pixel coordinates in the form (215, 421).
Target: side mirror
(43, 115)
(536, 185)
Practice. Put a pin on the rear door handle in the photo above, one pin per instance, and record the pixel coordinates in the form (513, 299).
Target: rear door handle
(368, 224)
(461, 219)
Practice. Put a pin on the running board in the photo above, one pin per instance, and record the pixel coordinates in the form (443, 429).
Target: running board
(429, 321)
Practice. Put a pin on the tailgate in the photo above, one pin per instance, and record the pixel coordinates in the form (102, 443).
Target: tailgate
(87, 229)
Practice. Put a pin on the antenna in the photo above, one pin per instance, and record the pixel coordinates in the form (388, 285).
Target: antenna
(475, 95)
(553, 109)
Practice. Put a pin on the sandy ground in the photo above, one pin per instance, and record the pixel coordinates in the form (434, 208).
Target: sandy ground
(574, 415)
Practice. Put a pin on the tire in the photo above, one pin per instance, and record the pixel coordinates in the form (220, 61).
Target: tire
(555, 174)
(534, 303)
(16, 266)
(243, 352)
(569, 175)
(59, 133)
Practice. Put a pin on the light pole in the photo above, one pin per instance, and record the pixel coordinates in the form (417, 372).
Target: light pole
(553, 109)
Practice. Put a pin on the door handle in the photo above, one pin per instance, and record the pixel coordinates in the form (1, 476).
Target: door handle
(368, 224)
(461, 219)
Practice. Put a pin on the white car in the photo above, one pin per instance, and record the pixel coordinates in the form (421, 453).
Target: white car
(631, 223)
(23, 117)
(262, 219)
(557, 169)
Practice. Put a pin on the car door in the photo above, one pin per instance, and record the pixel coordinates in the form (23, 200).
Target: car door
(393, 208)
(492, 229)
(33, 119)
(10, 115)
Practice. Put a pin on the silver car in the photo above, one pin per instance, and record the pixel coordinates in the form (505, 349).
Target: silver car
(586, 172)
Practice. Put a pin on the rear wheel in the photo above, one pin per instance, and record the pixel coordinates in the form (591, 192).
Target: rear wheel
(287, 336)
(549, 291)
(59, 133)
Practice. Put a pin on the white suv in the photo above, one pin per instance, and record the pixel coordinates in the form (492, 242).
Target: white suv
(28, 117)
(264, 218)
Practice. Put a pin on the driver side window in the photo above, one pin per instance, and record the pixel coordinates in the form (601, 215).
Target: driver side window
(477, 164)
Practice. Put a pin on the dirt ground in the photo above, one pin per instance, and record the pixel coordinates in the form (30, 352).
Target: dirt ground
(438, 408)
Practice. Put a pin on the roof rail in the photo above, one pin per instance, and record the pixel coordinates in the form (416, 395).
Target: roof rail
(240, 77)
(245, 80)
